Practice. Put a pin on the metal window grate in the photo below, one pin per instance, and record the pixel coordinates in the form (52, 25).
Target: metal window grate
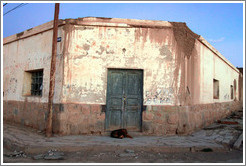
(37, 83)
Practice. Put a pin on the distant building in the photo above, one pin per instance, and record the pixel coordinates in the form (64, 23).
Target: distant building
(156, 77)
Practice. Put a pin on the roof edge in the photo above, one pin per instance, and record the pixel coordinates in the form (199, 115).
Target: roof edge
(90, 21)
(114, 22)
(208, 45)
(32, 31)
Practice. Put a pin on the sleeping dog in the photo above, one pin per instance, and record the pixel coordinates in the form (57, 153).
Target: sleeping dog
(120, 133)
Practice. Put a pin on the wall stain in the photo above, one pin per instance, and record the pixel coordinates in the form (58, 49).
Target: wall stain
(102, 49)
(86, 47)
(166, 53)
(185, 48)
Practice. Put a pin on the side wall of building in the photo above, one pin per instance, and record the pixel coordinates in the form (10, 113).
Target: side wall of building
(213, 67)
(20, 57)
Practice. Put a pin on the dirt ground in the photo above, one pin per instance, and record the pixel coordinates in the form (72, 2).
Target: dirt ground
(226, 132)
(131, 156)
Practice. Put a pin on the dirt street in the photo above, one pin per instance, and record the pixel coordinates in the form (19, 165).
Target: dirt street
(220, 142)
(131, 156)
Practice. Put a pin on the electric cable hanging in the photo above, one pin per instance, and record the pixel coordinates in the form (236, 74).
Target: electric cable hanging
(21, 5)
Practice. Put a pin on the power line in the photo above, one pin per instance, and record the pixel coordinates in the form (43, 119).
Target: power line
(5, 4)
(21, 5)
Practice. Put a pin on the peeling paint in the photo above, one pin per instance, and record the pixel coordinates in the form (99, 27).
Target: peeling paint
(164, 51)
(178, 68)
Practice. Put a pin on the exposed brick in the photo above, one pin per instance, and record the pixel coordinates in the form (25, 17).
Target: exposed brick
(86, 109)
(155, 108)
(95, 108)
(147, 115)
(158, 114)
(159, 120)
(84, 118)
(171, 129)
(173, 118)
(101, 116)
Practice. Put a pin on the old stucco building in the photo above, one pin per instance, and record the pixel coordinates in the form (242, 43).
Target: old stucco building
(156, 77)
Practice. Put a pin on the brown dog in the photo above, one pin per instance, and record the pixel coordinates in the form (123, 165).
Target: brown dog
(120, 133)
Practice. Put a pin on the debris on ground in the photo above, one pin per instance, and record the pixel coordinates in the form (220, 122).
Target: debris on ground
(237, 115)
(127, 155)
(50, 155)
(238, 142)
(129, 151)
(227, 122)
(214, 126)
(16, 154)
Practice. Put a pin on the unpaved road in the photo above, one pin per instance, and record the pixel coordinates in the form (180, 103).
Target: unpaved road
(123, 156)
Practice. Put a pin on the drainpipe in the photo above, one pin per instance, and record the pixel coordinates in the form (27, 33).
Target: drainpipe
(52, 72)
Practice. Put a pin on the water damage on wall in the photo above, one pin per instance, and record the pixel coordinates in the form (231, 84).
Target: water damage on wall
(176, 48)
(185, 43)
(68, 29)
(168, 53)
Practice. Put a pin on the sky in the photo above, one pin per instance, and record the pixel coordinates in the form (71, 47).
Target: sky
(221, 24)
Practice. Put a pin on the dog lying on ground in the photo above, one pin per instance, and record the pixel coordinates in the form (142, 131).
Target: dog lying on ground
(120, 133)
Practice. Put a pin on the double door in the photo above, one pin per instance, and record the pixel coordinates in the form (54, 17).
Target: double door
(124, 99)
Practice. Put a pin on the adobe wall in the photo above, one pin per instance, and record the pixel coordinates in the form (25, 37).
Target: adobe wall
(92, 50)
(178, 72)
(90, 118)
(20, 54)
(182, 120)
(27, 54)
(165, 51)
(213, 67)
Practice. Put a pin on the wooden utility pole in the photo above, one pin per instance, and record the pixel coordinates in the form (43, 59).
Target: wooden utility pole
(52, 72)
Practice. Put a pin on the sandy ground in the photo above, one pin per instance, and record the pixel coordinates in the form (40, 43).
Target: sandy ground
(123, 156)
(127, 150)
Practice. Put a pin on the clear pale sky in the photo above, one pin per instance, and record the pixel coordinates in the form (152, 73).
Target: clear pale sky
(221, 24)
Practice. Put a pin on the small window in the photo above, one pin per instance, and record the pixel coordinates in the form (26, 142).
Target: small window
(231, 92)
(37, 83)
(33, 83)
(216, 89)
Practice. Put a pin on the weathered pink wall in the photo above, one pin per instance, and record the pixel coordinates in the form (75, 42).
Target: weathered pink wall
(179, 67)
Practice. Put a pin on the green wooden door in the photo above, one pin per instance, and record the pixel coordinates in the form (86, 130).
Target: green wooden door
(124, 99)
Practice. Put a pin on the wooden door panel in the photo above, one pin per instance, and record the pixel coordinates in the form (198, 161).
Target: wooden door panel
(133, 84)
(116, 81)
(115, 119)
(124, 99)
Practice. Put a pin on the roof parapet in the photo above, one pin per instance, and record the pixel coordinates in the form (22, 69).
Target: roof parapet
(114, 22)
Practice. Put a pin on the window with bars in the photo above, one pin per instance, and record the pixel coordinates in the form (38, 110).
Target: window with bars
(37, 83)
(33, 83)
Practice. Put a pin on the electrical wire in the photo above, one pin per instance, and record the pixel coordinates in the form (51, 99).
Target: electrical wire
(21, 5)
(5, 4)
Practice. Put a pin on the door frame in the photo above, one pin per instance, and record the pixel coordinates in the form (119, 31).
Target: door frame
(107, 91)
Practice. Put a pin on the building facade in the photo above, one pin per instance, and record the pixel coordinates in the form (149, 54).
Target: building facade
(155, 77)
